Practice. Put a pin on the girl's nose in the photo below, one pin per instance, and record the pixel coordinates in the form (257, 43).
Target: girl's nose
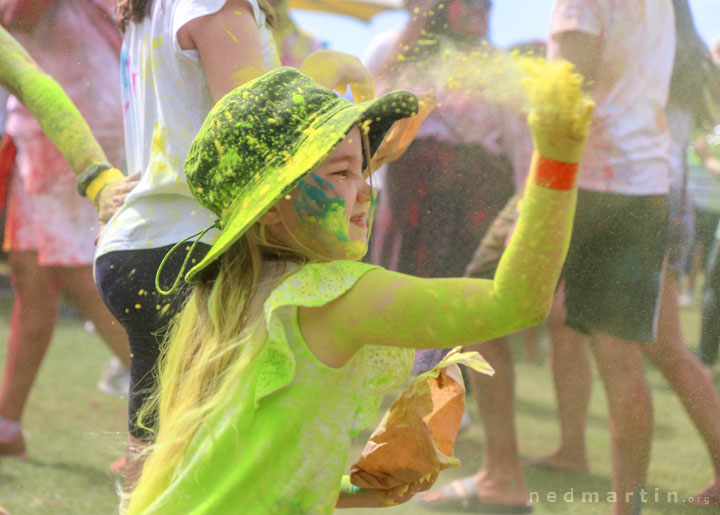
(364, 193)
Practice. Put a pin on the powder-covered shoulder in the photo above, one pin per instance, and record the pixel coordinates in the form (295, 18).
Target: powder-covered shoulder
(317, 284)
(310, 285)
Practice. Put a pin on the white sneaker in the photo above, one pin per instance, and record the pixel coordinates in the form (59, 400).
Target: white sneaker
(115, 380)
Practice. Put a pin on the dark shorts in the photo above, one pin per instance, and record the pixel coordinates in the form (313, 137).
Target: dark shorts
(126, 280)
(614, 265)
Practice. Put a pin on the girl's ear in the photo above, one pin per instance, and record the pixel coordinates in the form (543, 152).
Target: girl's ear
(271, 217)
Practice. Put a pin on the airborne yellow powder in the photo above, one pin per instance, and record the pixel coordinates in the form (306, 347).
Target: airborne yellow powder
(521, 82)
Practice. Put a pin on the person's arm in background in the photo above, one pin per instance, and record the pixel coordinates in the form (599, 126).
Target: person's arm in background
(58, 117)
(45, 99)
(230, 49)
(22, 14)
(229, 45)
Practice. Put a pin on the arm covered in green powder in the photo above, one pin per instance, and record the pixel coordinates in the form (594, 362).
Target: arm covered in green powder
(45, 99)
(389, 308)
(393, 309)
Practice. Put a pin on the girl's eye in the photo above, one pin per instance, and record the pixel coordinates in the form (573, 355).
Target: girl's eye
(342, 175)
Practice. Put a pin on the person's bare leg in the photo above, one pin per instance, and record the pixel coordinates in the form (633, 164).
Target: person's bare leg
(686, 376)
(500, 479)
(572, 376)
(77, 284)
(34, 315)
(621, 367)
(134, 462)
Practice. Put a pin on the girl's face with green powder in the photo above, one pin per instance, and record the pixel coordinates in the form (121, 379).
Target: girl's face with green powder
(328, 214)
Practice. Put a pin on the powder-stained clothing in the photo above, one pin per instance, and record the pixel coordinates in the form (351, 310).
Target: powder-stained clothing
(280, 442)
(165, 99)
(628, 145)
(57, 224)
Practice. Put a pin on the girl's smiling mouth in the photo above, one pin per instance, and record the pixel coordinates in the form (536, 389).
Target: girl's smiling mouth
(359, 220)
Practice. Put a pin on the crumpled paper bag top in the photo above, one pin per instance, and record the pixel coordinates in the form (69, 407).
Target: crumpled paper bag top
(416, 437)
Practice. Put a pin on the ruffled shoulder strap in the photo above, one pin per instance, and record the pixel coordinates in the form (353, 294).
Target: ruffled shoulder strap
(311, 285)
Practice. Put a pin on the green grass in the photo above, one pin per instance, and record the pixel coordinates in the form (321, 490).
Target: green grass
(74, 433)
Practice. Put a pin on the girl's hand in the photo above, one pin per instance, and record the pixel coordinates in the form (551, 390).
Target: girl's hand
(375, 498)
(336, 70)
(112, 196)
(560, 113)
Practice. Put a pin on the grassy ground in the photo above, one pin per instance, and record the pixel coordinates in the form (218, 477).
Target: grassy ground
(74, 433)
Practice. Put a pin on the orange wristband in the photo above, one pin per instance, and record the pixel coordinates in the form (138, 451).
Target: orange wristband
(556, 175)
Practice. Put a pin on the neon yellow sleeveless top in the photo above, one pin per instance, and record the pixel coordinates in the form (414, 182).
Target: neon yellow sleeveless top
(280, 444)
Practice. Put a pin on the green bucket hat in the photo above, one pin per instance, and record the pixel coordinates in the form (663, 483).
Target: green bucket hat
(263, 137)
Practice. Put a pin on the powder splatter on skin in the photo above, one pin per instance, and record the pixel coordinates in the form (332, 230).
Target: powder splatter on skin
(322, 212)
(46, 100)
(321, 204)
(229, 33)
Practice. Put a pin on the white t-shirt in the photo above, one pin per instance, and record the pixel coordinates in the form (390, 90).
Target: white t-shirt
(165, 100)
(627, 151)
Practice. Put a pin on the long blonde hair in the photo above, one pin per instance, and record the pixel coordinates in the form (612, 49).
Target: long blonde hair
(209, 345)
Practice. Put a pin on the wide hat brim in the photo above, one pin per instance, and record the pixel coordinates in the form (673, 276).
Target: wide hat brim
(321, 137)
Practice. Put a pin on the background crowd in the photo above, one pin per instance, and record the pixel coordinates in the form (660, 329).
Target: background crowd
(646, 228)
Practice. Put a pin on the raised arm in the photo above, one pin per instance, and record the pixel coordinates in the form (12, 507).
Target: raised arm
(388, 308)
(229, 45)
(45, 99)
(63, 124)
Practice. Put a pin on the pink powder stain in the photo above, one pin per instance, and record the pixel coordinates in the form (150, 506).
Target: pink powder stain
(414, 213)
(478, 217)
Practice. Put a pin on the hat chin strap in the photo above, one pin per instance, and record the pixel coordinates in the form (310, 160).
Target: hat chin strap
(181, 272)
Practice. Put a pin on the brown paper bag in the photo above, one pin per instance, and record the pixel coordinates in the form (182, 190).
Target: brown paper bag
(416, 437)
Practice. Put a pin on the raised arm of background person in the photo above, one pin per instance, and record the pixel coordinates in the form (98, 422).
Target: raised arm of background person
(45, 99)
(231, 52)
(229, 45)
(581, 49)
(22, 14)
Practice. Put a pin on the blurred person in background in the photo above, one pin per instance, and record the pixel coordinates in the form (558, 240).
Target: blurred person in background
(693, 91)
(50, 229)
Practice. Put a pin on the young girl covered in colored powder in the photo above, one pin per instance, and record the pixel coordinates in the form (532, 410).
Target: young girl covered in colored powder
(287, 344)
(178, 58)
